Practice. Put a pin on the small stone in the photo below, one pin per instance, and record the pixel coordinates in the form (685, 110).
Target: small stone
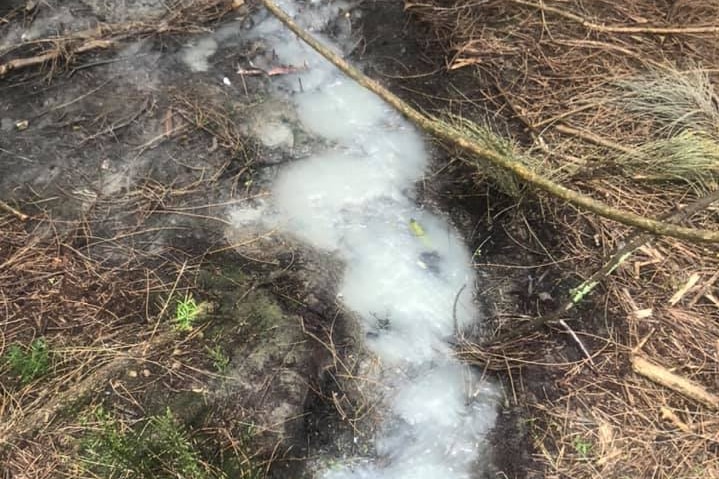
(22, 125)
(132, 374)
(544, 296)
(275, 134)
(146, 373)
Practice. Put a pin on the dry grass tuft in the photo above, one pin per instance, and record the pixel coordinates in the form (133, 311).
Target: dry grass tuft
(688, 157)
(483, 135)
(676, 101)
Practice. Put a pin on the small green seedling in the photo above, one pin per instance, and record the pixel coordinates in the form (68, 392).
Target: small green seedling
(220, 360)
(582, 446)
(29, 362)
(185, 313)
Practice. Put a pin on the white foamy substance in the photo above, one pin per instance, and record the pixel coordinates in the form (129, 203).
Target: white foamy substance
(355, 198)
(196, 55)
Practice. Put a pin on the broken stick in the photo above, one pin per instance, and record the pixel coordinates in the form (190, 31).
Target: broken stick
(676, 383)
(19, 214)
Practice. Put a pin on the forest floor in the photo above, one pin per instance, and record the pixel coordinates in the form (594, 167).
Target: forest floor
(144, 335)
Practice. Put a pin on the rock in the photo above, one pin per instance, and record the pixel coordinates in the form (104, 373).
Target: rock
(274, 134)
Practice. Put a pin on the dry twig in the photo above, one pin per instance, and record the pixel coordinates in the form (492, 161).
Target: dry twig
(19, 214)
(663, 376)
(710, 29)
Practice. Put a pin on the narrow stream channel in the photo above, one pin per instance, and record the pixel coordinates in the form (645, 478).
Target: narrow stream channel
(408, 273)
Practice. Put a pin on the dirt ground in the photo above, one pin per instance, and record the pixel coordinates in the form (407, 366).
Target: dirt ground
(118, 167)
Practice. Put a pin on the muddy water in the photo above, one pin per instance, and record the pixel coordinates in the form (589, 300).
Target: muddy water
(408, 273)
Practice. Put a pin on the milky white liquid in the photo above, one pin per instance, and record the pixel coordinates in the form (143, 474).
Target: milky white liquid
(354, 196)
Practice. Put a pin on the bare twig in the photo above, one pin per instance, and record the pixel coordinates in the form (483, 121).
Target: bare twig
(620, 256)
(19, 214)
(578, 341)
(53, 54)
(594, 138)
(709, 29)
(666, 378)
(270, 72)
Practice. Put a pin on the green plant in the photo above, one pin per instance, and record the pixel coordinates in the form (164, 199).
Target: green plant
(186, 313)
(29, 362)
(243, 463)
(582, 446)
(158, 447)
(175, 446)
(220, 359)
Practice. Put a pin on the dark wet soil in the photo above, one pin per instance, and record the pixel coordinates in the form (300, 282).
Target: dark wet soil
(96, 150)
(142, 157)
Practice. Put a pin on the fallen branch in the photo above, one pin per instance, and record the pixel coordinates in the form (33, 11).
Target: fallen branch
(711, 29)
(52, 55)
(454, 136)
(666, 378)
(577, 294)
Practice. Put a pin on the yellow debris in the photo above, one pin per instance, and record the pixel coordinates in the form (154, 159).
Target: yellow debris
(419, 232)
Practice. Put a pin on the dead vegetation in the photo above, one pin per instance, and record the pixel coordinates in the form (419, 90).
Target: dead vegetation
(620, 101)
(53, 53)
(96, 354)
(104, 344)
(122, 340)
(617, 100)
(89, 317)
